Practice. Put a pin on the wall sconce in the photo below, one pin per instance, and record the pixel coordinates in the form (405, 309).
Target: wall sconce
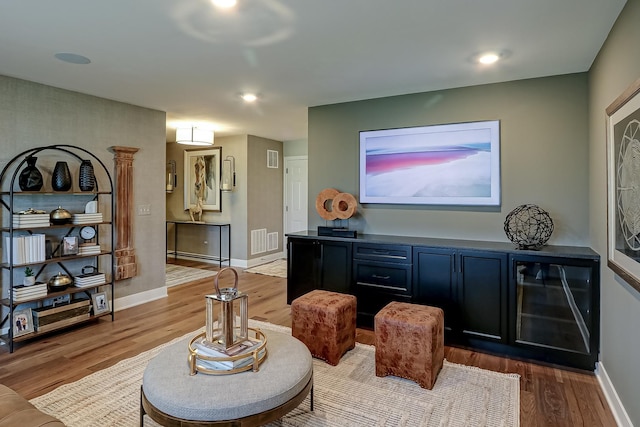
(172, 179)
(228, 181)
(194, 136)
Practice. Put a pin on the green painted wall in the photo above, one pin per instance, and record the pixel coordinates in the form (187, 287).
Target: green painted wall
(544, 156)
(616, 67)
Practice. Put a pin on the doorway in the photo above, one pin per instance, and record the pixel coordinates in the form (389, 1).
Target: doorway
(295, 195)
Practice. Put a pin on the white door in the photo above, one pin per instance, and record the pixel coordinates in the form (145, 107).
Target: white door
(296, 190)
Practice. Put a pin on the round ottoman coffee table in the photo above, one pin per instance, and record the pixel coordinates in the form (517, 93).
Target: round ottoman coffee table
(173, 397)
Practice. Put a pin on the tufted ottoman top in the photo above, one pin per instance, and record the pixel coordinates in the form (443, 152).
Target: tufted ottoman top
(169, 388)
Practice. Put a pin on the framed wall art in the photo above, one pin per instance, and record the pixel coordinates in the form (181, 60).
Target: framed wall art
(202, 179)
(623, 185)
(450, 164)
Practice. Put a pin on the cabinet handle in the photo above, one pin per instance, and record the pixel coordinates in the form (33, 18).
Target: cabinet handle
(375, 276)
(380, 251)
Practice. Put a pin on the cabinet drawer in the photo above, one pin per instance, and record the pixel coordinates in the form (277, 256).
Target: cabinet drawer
(385, 277)
(400, 254)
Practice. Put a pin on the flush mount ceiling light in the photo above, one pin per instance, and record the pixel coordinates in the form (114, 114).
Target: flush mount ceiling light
(224, 3)
(249, 97)
(72, 58)
(194, 136)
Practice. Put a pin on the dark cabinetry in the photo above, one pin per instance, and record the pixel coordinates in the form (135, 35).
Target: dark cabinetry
(482, 294)
(541, 305)
(554, 308)
(382, 273)
(470, 286)
(436, 280)
(318, 264)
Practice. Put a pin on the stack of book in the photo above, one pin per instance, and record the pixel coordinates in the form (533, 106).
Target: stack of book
(25, 249)
(30, 220)
(88, 280)
(24, 293)
(88, 249)
(86, 218)
(209, 349)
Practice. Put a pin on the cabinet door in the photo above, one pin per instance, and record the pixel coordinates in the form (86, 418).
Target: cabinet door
(301, 267)
(482, 294)
(335, 266)
(435, 280)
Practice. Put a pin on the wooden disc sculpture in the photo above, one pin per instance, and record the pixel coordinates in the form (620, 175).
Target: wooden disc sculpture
(332, 204)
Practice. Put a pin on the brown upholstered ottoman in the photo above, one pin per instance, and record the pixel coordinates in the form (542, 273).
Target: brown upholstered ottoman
(326, 322)
(410, 342)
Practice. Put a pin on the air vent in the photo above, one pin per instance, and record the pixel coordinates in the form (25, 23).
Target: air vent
(272, 241)
(272, 159)
(258, 241)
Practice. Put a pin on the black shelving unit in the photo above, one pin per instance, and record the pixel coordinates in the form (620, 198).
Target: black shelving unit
(12, 199)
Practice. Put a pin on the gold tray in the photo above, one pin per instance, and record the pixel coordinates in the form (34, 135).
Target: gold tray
(258, 355)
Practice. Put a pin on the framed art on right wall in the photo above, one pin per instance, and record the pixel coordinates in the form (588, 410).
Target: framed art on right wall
(623, 185)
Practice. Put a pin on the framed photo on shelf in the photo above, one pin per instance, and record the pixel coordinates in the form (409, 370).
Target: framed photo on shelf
(69, 245)
(22, 322)
(202, 178)
(100, 303)
(623, 186)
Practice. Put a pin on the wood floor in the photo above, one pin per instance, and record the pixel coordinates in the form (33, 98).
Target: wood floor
(548, 396)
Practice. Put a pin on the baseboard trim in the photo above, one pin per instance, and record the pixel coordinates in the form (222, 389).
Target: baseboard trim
(139, 298)
(265, 259)
(197, 257)
(615, 404)
(239, 263)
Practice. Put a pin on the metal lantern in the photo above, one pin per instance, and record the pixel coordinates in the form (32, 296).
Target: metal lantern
(233, 305)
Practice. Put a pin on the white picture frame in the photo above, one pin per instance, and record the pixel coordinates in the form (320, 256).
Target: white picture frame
(100, 302)
(202, 178)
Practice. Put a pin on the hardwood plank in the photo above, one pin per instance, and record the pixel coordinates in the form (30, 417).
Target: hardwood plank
(549, 396)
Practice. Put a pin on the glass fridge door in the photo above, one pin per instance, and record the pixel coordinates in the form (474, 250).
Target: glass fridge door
(553, 306)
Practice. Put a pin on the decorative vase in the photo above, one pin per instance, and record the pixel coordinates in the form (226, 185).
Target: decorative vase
(30, 178)
(61, 178)
(86, 179)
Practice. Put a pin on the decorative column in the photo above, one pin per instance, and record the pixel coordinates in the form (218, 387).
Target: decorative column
(125, 254)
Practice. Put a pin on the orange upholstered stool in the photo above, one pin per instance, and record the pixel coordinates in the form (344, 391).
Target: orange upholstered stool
(410, 342)
(326, 323)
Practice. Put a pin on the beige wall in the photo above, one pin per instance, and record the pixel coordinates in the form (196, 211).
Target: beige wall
(616, 67)
(266, 187)
(544, 156)
(255, 203)
(234, 204)
(33, 115)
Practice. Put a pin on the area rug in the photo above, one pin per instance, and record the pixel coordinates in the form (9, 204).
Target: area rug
(177, 274)
(345, 395)
(277, 268)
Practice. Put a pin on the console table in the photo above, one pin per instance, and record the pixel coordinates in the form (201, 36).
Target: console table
(220, 227)
(542, 305)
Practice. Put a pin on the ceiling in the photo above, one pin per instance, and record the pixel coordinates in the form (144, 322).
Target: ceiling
(192, 60)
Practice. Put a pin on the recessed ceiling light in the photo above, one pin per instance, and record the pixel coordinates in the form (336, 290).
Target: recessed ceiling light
(488, 58)
(249, 97)
(72, 58)
(224, 3)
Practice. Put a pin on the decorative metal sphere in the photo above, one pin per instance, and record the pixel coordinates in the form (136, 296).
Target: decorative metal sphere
(528, 226)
